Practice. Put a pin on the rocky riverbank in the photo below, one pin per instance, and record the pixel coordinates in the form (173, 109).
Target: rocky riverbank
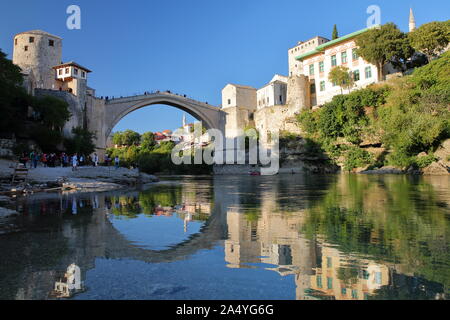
(85, 179)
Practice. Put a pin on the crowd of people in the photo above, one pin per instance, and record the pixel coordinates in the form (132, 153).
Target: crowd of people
(52, 160)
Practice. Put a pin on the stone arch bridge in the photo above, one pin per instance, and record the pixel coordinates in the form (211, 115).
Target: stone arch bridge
(113, 110)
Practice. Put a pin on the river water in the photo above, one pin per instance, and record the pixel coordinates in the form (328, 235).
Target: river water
(345, 237)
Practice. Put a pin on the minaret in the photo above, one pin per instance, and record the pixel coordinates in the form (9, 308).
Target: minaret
(412, 21)
(184, 120)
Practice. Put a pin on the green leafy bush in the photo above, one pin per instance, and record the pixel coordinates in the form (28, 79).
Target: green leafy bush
(356, 157)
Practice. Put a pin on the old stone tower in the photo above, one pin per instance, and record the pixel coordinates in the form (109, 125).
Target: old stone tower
(36, 52)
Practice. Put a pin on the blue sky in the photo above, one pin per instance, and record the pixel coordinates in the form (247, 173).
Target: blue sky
(193, 47)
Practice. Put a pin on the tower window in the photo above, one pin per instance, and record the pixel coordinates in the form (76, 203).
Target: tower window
(51, 43)
(229, 101)
(15, 41)
(26, 48)
(31, 39)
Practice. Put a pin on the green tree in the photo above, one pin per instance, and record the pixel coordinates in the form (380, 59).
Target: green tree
(52, 112)
(131, 138)
(117, 138)
(431, 38)
(148, 141)
(384, 44)
(81, 142)
(14, 101)
(342, 77)
(335, 33)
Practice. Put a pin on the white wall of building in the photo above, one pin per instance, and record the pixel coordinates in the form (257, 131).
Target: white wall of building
(239, 96)
(295, 66)
(325, 90)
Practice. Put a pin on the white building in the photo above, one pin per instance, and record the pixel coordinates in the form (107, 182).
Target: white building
(274, 93)
(234, 95)
(318, 62)
(295, 66)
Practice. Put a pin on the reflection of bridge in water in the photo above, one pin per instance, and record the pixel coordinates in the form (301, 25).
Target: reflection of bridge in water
(269, 237)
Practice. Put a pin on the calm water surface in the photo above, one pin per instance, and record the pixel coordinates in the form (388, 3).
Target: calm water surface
(285, 237)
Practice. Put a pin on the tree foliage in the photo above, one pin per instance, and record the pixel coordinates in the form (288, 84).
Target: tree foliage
(82, 142)
(335, 34)
(408, 116)
(127, 138)
(14, 101)
(342, 77)
(431, 38)
(148, 140)
(384, 44)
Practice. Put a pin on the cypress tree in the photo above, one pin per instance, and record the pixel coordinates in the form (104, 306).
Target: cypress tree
(335, 33)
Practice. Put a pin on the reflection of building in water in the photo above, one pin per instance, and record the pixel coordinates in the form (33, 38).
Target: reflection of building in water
(337, 278)
(69, 284)
(273, 238)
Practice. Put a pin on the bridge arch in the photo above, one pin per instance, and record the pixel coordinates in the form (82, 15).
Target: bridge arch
(116, 109)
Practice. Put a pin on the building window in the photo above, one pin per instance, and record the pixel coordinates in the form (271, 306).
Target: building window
(51, 43)
(75, 72)
(368, 72)
(329, 283)
(60, 72)
(355, 55)
(334, 83)
(344, 57)
(378, 278)
(229, 101)
(344, 291)
(281, 99)
(333, 61)
(356, 76)
(15, 41)
(354, 294)
(313, 88)
(329, 262)
(319, 281)
(31, 39)
(322, 85)
(26, 48)
(311, 69)
(321, 67)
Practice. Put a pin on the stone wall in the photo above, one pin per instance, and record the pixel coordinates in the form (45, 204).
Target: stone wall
(38, 56)
(274, 118)
(75, 108)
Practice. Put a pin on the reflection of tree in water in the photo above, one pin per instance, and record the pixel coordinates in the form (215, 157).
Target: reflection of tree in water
(399, 220)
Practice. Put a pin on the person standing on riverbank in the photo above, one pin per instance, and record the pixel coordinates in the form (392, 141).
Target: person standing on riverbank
(117, 162)
(75, 162)
(95, 160)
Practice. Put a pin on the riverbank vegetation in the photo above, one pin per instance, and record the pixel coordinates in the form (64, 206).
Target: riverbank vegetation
(142, 151)
(37, 119)
(399, 123)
